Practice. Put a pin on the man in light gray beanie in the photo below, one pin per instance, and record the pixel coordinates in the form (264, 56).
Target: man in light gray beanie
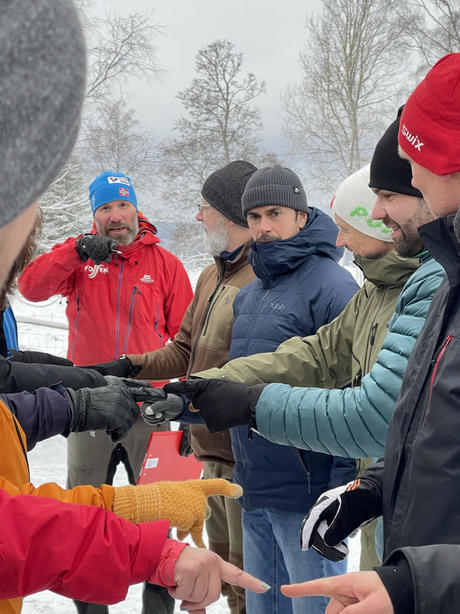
(79, 551)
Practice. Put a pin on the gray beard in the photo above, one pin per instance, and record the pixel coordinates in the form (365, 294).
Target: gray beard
(216, 242)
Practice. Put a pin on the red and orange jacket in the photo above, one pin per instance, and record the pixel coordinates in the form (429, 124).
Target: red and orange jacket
(134, 304)
(48, 543)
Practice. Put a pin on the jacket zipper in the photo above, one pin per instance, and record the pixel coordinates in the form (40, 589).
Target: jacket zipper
(205, 319)
(436, 362)
(75, 328)
(131, 307)
(307, 468)
(117, 353)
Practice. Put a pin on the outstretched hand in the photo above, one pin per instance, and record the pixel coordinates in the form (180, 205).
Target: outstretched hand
(199, 575)
(221, 403)
(353, 593)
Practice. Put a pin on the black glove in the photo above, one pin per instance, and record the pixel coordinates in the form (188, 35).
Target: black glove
(221, 403)
(30, 356)
(337, 514)
(113, 380)
(110, 408)
(122, 367)
(96, 247)
(185, 449)
(166, 407)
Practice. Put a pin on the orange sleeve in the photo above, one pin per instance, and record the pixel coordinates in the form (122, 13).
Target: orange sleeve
(86, 495)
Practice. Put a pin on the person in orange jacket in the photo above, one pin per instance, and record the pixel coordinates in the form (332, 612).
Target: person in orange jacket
(81, 551)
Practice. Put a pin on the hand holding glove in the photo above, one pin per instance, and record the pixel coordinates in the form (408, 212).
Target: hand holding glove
(96, 247)
(110, 408)
(221, 403)
(337, 514)
(165, 407)
(184, 504)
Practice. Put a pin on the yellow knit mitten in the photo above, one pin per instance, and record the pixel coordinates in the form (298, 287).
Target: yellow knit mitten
(182, 503)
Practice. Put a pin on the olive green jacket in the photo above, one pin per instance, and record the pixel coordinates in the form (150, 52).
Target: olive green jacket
(341, 352)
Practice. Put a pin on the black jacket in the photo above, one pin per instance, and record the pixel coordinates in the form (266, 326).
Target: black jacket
(418, 483)
(20, 376)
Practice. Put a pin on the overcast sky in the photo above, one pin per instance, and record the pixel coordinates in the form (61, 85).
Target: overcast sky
(271, 35)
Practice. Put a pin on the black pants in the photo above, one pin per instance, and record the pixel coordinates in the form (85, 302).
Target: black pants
(155, 600)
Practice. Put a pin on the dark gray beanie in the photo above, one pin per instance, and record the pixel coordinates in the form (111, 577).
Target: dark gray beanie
(42, 74)
(224, 188)
(274, 185)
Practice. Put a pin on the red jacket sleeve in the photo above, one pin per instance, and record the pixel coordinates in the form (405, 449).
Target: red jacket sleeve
(178, 298)
(78, 551)
(51, 273)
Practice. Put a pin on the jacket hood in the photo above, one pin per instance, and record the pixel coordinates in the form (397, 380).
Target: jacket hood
(391, 270)
(317, 238)
(147, 234)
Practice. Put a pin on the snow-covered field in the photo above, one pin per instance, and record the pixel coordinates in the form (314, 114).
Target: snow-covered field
(48, 459)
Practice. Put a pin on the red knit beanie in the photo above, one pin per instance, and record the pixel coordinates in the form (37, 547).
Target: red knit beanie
(429, 131)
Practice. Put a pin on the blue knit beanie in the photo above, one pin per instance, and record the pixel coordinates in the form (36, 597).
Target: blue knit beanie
(111, 186)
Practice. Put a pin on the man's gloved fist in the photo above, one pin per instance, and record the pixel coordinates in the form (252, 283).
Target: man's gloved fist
(96, 247)
(165, 407)
(221, 403)
(110, 408)
(122, 367)
(184, 504)
(337, 514)
(185, 448)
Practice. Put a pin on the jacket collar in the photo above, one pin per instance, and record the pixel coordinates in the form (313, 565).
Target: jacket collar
(440, 238)
(145, 236)
(391, 270)
(317, 238)
(230, 267)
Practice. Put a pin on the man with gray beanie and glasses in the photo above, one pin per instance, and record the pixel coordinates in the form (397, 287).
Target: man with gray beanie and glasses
(203, 341)
(82, 551)
(299, 287)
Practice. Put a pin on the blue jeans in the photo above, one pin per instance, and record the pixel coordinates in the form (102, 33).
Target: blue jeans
(271, 551)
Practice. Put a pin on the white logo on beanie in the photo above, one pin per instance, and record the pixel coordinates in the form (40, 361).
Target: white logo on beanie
(412, 138)
(123, 180)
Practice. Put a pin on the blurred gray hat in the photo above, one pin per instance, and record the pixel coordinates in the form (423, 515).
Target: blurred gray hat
(42, 72)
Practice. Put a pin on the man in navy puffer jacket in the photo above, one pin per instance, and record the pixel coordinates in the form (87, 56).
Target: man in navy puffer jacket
(299, 287)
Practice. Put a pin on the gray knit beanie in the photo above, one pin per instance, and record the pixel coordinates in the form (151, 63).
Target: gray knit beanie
(42, 73)
(274, 185)
(224, 188)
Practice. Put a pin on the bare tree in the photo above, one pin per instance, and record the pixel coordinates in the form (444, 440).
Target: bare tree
(65, 206)
(119, 47)
(433, 28)
(220, 124)
(114, 140)
(350, 88)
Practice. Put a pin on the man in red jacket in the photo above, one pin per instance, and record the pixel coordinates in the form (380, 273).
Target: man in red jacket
(81, 551)
(124, 293)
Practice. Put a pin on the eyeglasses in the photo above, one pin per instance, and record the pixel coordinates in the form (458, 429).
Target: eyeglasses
(202, 206)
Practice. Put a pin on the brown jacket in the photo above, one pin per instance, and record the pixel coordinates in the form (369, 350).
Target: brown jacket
(203, 341)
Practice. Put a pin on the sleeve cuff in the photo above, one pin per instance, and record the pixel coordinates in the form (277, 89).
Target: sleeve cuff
(397, 579)
(164, 574)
